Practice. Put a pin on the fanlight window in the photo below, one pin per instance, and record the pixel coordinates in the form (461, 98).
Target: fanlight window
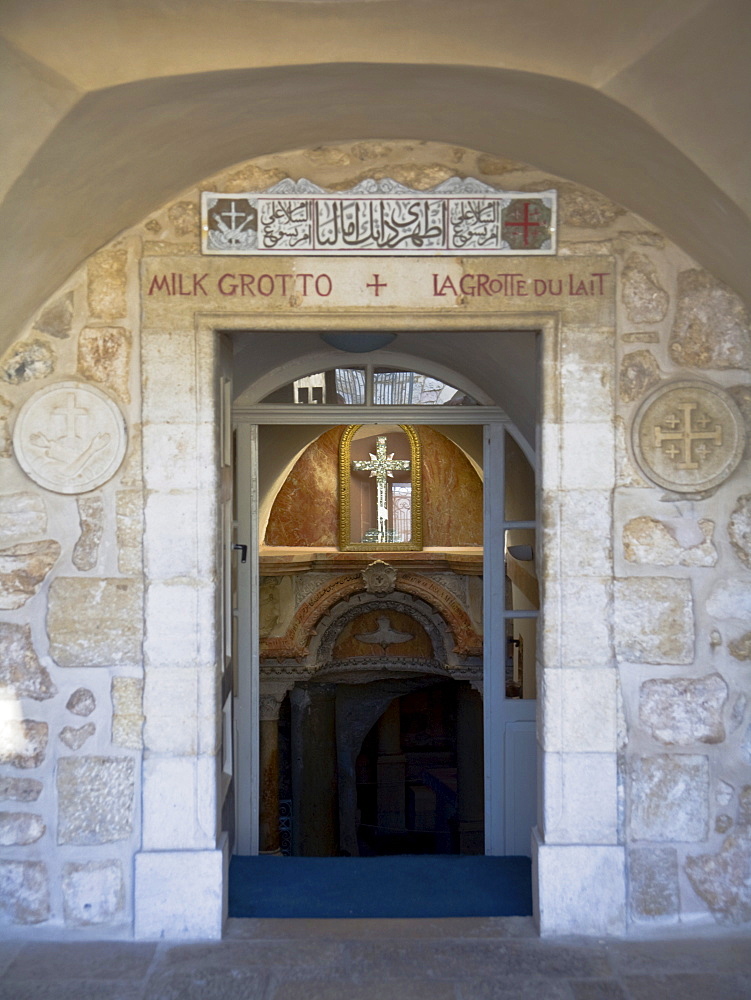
(370, 385)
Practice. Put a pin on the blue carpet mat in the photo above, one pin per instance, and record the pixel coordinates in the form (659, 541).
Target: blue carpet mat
(394, 886)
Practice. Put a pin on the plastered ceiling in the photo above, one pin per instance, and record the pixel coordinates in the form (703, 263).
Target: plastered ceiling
(110, 107)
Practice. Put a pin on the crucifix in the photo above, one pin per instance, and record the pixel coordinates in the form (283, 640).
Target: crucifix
(381, 468)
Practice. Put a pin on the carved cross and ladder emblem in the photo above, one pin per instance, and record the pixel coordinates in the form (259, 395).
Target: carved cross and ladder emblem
(382, 466)
(688, 440)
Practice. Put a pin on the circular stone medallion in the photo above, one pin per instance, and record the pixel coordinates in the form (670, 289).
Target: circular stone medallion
(688, 436)
(70, 437)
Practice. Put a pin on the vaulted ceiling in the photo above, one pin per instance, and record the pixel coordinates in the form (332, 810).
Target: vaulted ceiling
(110, 107)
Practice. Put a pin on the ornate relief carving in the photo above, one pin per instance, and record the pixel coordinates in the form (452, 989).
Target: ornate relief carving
(379, 577)
(70, 437)
(688, 436)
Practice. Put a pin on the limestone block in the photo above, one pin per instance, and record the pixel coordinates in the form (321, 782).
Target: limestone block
(91, 519)
(129, 528)
(179, 802)
(578, 710)
(722, 823)
(723, 880)
(23, 568)
(251, 178)
(27, 360)
(20, 789)
(181, 624)
(127, 708)
(654, 883)
(580, 800)
(590, 646)
(169, 377)
(95, 622)
(645, 299)
(5, 409)
(21, 515)
(184, 218)
(95, 799)
(654, 620)
(23, 742)
(93, 893)
(57, 319)
(74, 738)
(738, 713)
(639, 373)
(711, 325)
(178, 894)
(647, 541)
(731, 598)
(669, 797)
(81, 702)
(21, 673)
(20, 828)
(24, 891)
(739, 529)
(578, 206)
(740, 648)
(724, 792)
(587, 456)
(104, 357)
(107, 280)
(680, 711)
(626, 473)
(570, 873)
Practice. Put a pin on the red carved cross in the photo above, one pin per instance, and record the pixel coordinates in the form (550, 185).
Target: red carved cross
(526, 223)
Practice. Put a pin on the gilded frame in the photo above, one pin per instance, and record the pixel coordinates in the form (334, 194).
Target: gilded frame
(345, 542)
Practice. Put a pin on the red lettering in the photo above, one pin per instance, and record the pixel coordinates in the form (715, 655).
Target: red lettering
(283, 279)
(560, 286)
(470, 289)
(436, 293)
(159, 284)
(305, 282)
(601, 275)
(496, 285)
(482, 284)
(319, 281)
(180, 283)
(231, 289)
(448, 283)
(246, 282)
(521, 286)
(174, 284)
(198, 283)
(540, 286)
(270, 282)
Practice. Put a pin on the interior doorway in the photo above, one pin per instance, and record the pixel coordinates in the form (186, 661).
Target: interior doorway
(423, 813)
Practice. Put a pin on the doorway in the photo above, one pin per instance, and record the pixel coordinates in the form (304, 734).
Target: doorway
(506, 779)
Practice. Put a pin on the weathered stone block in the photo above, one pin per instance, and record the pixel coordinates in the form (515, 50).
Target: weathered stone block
(57, 319)
(27, 360)
(107, 278)
(723, 880)
(74, 738)
(184, 218)
(93, 892)
(679, 711)
(20, 828)
(91, 518)
(95, 799)
(638, 374)
(127, 707)
(23, 568)
(81, 702)
(730, 598)
(21, 673)
(670, 797)
(23, 742)
(5, 410)
(24, 891)
(654, 620)
(20, 789)
(739, 529)
(21, 515)
(654, 882)
(645, 299)
(95, 622)
(104, 357)
(711, 325)
(649, 541)
(740, 648)
(129, 526)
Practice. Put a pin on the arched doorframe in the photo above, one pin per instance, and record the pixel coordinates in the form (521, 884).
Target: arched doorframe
(576, 850)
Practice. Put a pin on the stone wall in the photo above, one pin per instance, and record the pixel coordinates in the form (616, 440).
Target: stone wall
(660, 597)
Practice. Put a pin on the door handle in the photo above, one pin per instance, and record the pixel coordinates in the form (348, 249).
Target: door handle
(243, 550)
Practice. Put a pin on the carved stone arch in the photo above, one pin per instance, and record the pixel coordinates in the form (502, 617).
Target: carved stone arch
(295, 644)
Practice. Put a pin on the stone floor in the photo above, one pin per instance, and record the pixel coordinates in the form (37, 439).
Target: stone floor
(458, 959)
